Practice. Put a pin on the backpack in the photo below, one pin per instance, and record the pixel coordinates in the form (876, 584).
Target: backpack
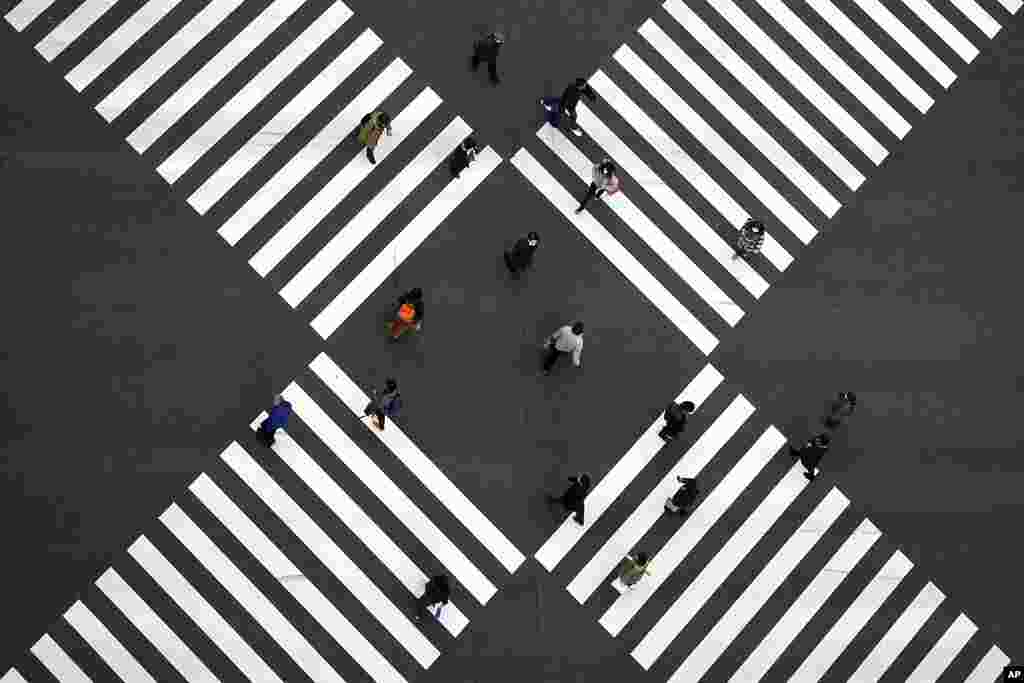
(406, 313)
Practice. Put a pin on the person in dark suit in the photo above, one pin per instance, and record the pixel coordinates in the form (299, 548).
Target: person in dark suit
(840, 409)
(811, 454)
(675, 419)
(572, 499)
(520, 256)
(684, 497)
(437, 592)
(462, 156)
(277, 419)
(486, 50)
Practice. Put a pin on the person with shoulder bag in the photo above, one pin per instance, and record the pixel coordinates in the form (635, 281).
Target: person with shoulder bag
(383, 405)
(603, 180)
(371, 128)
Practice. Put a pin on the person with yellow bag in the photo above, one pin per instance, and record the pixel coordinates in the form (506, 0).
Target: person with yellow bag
(409, 313)
(371, 128)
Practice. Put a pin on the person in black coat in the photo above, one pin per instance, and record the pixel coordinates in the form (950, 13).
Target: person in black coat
(486, 50)
(384, 403)
(572, 499)
(462, 156)
(675, 419)
(811, 453)
(571, 97)
(683, 498)
(520, 256)
(437, 592)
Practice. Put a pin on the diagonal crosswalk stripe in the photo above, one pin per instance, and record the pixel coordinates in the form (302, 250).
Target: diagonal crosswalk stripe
(908, 41)
(944, 651)
(103, 642)
(979, 15)
(52, 656)
(25, 12)
(900, 634)
(76, 23)
(990, 667)
(756, 594)
(941, 27)
(263, 83)
(13, 676)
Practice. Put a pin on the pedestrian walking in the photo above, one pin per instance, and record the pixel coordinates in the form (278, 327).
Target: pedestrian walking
(749, 240)
(371, 128)
(675, 419)
(840, 409)
(565, 339)
(572, 499)
(810, 454)
(486, 50)
(566, 104)
(520, 256)
(408, 314)
(463, 156)
(437, 592)
(634, 569)
(684, 497)
(603, 179)
(383, 404)
(277, 419)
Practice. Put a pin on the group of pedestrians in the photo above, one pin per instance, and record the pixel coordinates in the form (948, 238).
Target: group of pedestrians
(811, 453)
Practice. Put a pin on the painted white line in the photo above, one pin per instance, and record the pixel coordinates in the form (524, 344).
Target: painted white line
(652, 509)
(722, 150)
(284, 121)
(907, 40)
(663, 194)
(393, 498)
(373, 213)
(153, 628)
(118, 42)
(1011, 6)
(365, 529)
(646, 230)
(238, 586)
(432, 478)
(834, 64)
(316, 150)
(774, 103)
(161, 61)
(800, 80)
(617, 255)
(977, 14)
(25, 12)
(757, 592)
(990, 668)
(330, 195)
(807, 605)
(211, 73)
(200, 611)
(68, 31)
(262, 84)
(943, 29)
(57, 662)
(13, 676)
(731, 111)
(326, 550)
(404, 244)
(944, 652)
(304, 592)
(846, 628)
(611, 485)
(872, 54)
(105, 644)
(723, 564)
(899, 634)
(697, 524)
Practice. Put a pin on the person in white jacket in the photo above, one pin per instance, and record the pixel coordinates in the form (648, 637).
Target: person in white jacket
(565, 339)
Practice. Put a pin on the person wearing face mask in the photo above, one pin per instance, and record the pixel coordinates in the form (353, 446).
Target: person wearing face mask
(603, 179)
(520, 256)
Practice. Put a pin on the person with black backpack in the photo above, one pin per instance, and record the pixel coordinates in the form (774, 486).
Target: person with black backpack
(675, 419)
(384, 404)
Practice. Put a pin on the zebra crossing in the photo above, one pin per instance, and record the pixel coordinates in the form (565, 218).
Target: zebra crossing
(238, 145)
(712, 116)
(288, 583)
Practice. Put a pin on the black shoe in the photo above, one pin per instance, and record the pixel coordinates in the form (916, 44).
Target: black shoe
(808, 476)
(369, 156)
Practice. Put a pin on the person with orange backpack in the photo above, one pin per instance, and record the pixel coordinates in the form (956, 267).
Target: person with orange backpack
(409, 313)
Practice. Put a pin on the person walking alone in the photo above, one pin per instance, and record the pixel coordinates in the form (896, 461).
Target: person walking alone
(685, 496)
(371, 128)
(634, 569)
(383, 404)
(675, 419)
(520, 256)
(556, 107)
(565, 339)
(277, 419)
(810, 454)
(408, 314)
(463, 155)
(572, 499)
(486, 50)
(750, 239)
(840, 409)
(603, 179)
(437, 592)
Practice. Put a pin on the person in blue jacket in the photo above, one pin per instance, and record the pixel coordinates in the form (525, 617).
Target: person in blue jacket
(277, 419)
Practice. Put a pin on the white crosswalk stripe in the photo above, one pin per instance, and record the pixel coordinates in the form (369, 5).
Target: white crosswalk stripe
(900, 634)
(76, 23)
(56, 660)
(105, 644)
